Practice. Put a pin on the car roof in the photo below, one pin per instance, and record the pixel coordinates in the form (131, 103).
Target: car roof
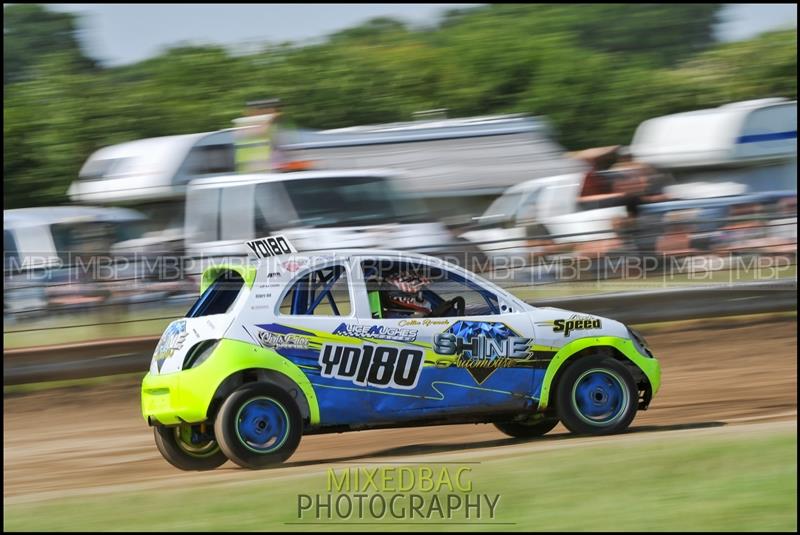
(258, 178)
(48, 215)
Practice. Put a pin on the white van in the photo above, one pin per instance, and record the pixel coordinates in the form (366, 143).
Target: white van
(544, 207)
(751, 143)
(315, 209)
(152, 174)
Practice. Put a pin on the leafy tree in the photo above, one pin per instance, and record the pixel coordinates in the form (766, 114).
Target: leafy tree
(594, 71)
(30, 32)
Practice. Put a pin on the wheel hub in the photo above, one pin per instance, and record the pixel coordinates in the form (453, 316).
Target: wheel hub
(600, 397)
(262, 425)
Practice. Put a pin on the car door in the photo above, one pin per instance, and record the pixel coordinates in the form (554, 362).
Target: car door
(316, 301)
(461, 361)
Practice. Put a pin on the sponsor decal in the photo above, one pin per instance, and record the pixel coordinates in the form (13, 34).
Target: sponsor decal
(170, 341)
(270, 246)
(576, 322)
(282, 341)
(381, 332)
(482, 347)
(422, 322)
(372, 365)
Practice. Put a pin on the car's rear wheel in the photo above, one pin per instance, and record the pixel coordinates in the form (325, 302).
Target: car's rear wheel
(258, 426)
(597, 396)
(534, 426)
(188, 447)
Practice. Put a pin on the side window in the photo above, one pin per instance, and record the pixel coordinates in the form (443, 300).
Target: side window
(208, 160)
(527, 211)
(10, 256)
(218, 297)
(323, 292)
(202, 214)
(273, 208)
(477, 301)
(401, 289)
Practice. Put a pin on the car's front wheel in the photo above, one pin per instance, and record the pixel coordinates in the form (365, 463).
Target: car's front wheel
(258, 426)
(188, 447)
(597, 396)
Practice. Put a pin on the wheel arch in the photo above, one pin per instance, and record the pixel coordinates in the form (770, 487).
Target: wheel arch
(646, 376)
(308, 411)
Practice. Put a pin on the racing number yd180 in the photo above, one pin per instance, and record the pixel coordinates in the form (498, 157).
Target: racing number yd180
(380, 366)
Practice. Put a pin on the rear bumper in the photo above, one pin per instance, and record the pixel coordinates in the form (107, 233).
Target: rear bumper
(186, 396)
(174, 398)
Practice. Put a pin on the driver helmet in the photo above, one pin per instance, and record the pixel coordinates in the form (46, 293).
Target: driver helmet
(405, 292)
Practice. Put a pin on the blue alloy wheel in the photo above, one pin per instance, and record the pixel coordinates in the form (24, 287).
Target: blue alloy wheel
(600, 397)
(262, 425)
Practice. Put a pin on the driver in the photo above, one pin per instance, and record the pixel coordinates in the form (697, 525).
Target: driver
(404, 294)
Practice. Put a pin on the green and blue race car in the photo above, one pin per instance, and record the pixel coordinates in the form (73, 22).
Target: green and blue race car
(304, 343)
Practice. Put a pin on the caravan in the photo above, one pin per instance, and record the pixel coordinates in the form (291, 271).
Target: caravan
(741, 147)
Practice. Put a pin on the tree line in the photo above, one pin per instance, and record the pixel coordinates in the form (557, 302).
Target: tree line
(594, 71)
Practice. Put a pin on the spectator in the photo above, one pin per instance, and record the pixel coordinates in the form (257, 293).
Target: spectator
(746, 231)
(678, 233)
(255, 151)
(782, 231)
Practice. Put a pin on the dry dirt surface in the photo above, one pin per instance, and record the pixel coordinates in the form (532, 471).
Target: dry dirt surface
(77, 440)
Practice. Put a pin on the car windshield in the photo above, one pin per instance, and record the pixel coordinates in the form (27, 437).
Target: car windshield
(502, 209)
(93, 238)
(348, 201)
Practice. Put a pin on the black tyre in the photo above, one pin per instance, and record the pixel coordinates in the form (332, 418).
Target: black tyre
(258, 426)
(186, 447)
(536, 425)
(596, 396)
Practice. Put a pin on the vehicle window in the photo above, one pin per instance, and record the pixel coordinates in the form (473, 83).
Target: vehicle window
(401, 289)
(10, 255)
(528, 210)
(202, 214)
(208, 160)
(97, 169)
(218, 297)
(323, 292)
(338, 201)
(82, 240)
(236, 215)
(503, 208)
(273, 209)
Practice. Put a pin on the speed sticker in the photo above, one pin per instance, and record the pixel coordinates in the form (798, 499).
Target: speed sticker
(270, 246)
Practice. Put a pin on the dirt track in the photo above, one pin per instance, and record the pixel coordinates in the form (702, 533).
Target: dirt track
(74, 440)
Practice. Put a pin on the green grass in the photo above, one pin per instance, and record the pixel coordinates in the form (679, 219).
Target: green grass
(727, 481)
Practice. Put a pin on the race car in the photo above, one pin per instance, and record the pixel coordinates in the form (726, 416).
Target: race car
(294, 344)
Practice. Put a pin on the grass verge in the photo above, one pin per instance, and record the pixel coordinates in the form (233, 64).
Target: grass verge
(731, 481)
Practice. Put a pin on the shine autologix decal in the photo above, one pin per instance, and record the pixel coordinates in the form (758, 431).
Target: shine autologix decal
(482, 347)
